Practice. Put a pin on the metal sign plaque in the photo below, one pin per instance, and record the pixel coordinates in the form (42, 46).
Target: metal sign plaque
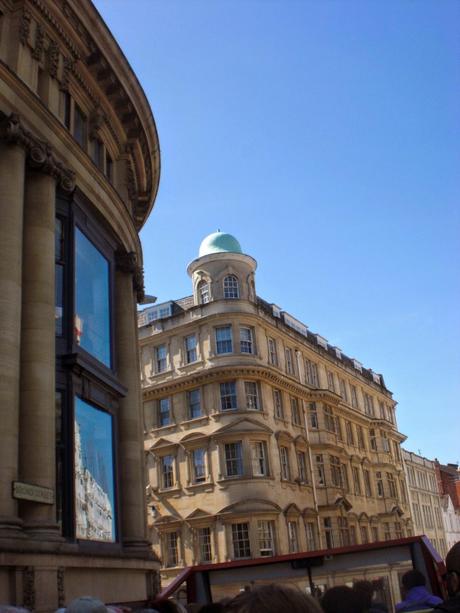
(35, 493)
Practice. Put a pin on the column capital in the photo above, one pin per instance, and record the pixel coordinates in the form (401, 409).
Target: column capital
(127, 261)
(39, 153)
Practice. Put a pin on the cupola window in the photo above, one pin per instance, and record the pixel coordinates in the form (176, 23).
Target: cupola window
(231, 287)
(203, 292)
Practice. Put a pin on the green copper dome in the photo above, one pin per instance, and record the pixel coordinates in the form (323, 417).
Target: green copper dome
(219, 242)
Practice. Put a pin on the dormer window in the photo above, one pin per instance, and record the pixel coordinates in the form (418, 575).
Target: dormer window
(231, 287)
(203, 292)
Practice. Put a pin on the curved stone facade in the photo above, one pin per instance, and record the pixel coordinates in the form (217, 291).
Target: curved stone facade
(260, 437)
(79, 173)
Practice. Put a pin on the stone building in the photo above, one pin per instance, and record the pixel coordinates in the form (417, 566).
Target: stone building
(425, 499)
(448, 477)
(79, 172)
(260, 437)
(451, 521)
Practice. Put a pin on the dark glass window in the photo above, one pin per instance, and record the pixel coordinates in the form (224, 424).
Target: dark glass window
(79, 126)
(224, 339)
(194, 403)
(190, 348)
(228, 396)
(164, 412)
(199, 465)
(234, 459)
(108, 167)
(60, 459)
(59, 276)
(66, 104)
(92, 299)
(94, 474)
(97, 153)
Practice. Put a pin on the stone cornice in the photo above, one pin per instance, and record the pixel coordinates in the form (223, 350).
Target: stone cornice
(40, 154)
(247, 371)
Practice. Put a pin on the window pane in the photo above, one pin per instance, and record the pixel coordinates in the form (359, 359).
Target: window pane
(231, 289)
(199, 465)
(190, 348)
(224, 340)
(79, 126)
(240, 538)
(164, 413)
(194, 403)
(246, 340)
(92, 301)
(167, 471)
(228, 396)
(204, 544)
(59, 298)
(94, 478)
(234, 459)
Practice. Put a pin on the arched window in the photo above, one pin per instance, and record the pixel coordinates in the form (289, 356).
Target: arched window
(231, 288)
(203, 292)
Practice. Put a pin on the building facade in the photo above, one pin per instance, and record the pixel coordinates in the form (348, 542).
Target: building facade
(451, 521)
(448, 477)
(260, 437)
(79, 172)
(425, 499)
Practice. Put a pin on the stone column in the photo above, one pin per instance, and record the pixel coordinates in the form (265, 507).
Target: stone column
(37, 462)
(12, 162)
(130, 423)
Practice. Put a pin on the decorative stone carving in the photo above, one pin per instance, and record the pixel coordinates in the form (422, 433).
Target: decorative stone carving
(39, 42)
(39, 154)
(68, 64)
(24, 28)
(127, 262)
(96, 121)
(53, 58)
(29, 588)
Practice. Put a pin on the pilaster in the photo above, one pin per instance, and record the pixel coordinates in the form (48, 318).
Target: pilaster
(37, 462)
(130, 422)
(12, 164)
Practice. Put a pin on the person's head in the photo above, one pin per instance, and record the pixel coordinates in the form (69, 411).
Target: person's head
(453, 569)
(413, 578)
(272, 599)
(86, 604)
(341, 599)
(364, 591)
(165, 605)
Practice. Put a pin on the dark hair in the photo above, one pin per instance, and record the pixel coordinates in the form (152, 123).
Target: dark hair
(272, 599)
(165, 606)
(364, 591)
(453, 558)
(214, 607)
(413, 578)
(341, 599)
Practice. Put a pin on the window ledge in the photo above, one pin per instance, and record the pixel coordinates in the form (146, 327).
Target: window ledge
(219, 414)
(168, 490)
(188, 365)
(163, 428)
(240, 478)
(208, 484)
(195, 420)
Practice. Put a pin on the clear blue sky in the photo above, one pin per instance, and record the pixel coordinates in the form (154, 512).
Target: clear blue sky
(325, 136)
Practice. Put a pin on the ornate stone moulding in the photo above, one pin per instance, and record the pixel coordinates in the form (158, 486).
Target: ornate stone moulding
(40, 155)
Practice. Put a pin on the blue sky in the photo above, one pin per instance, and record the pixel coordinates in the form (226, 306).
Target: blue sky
(325, 136)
